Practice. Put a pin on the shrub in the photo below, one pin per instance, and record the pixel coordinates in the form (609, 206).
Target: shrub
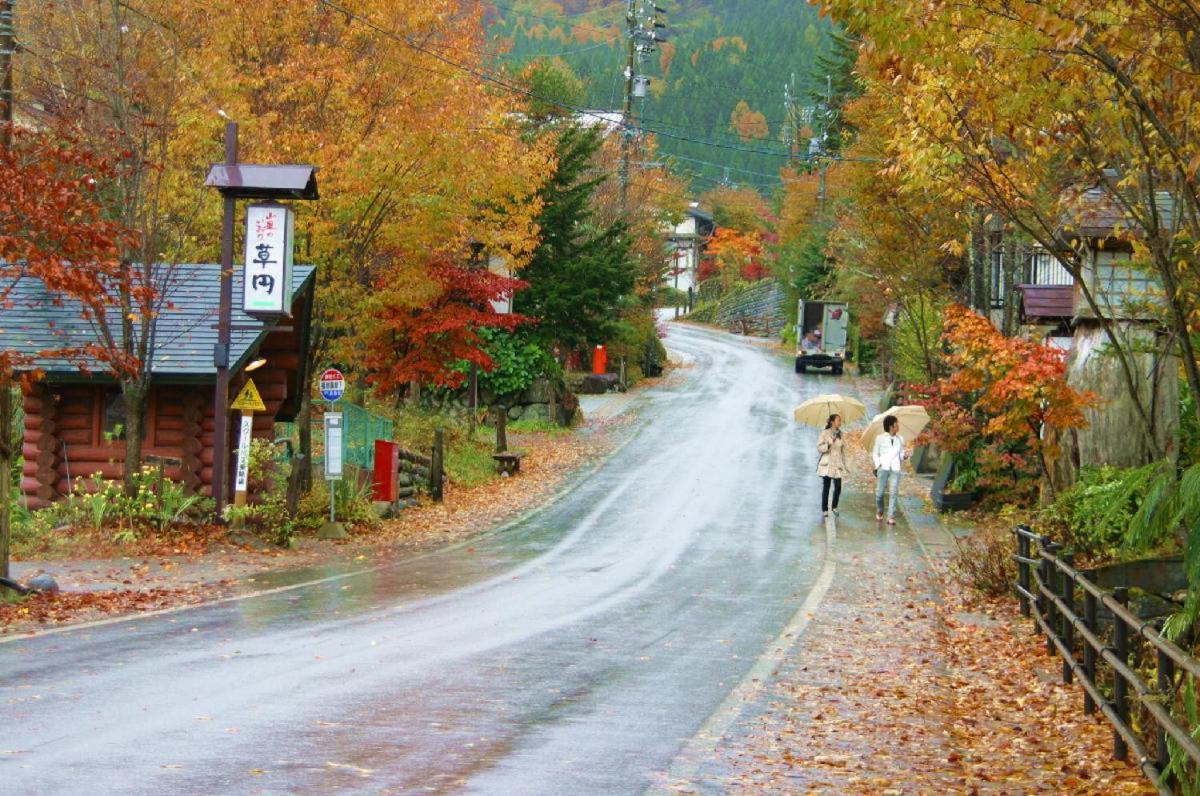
(266, 484)
(1093, 516)
(984, 562)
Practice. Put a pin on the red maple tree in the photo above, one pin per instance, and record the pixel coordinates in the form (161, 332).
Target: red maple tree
(53, 229)
(424, 344)
(1003, 402)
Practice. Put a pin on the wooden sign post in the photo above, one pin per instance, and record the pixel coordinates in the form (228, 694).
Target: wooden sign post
(248, 402)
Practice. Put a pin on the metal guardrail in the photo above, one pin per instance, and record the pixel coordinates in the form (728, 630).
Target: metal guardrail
(1047, 586)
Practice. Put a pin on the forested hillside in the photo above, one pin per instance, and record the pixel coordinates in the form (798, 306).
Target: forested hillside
(719, 79)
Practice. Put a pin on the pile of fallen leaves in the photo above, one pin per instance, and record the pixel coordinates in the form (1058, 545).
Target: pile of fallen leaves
(903, 684)
(549, 460)
(85, 542)
(44, 608)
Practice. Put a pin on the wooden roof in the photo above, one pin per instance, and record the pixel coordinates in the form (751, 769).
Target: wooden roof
(1096, 214)
(184, 336)
(1047, 301)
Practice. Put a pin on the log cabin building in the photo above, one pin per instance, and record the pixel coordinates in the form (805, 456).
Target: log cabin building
(75, 415)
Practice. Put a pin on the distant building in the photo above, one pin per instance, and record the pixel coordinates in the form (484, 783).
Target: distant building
(686, 243)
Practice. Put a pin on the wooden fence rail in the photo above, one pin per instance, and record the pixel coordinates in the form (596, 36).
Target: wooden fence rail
(1047, 586)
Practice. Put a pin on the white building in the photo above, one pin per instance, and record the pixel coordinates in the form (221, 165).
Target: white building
(686, 242)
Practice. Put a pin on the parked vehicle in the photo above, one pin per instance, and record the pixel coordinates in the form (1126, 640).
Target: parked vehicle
(831, 319)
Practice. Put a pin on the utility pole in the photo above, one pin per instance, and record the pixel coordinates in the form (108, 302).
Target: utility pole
(627, 106)
(8, 46)
(220, 479)
(825, 119)
(642, 40)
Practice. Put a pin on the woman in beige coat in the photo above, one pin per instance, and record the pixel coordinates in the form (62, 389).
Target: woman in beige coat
(832, 466)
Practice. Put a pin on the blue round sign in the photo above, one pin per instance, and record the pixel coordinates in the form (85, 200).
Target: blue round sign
(332, 384)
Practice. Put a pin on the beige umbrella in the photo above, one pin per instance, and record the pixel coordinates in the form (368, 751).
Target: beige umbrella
(912, 419)
(816, 411)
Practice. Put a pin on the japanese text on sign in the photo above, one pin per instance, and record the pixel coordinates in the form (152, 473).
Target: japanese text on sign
(332, 384)
(267, 276)
(333, 446)
(243, 454)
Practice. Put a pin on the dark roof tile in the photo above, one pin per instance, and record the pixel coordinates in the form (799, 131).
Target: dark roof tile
(186, 331)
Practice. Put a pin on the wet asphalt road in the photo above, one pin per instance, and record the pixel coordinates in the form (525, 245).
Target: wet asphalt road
(574, 652)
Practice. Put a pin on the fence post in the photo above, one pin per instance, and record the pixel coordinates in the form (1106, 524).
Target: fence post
(1120, 687)
(1166, 684)
(1023, 569)
(1090, 604)
(435, 466)
(1049, 571)
(1066, 627)
(1039, 600)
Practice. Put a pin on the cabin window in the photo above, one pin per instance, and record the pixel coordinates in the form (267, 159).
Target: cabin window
(113, 420)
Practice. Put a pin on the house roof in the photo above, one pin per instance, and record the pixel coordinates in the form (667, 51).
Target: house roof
(1096, 214)
(1048, 301)
(184, 337)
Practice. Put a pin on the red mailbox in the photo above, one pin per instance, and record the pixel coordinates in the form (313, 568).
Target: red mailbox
(600, 361)
(387, 470)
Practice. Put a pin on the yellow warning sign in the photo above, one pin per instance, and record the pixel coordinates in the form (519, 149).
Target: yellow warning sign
(248, 400)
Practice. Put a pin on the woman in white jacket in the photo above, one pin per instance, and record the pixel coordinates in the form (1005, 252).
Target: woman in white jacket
(888, 455)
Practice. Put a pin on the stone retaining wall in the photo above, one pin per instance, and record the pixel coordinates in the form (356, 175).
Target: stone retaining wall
(764, 299)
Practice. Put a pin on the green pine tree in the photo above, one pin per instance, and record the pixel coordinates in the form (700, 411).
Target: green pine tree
(580, 273)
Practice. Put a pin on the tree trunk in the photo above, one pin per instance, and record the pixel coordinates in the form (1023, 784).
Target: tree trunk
(1010, 274)
(501, 428)
(6, 461)
(135, 394)
(979, 298)
(302, 462)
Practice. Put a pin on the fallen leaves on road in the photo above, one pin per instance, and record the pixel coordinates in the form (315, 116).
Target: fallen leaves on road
(549, 460)
(38, 610)
(903, 685)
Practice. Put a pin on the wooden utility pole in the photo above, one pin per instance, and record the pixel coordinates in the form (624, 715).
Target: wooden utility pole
(8, 46)
(627, 107)
(220, 478)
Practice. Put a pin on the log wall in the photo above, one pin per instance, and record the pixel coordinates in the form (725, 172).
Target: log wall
(64, 443)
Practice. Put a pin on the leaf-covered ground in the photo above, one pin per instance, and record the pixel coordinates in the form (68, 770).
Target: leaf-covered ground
(103, 578)
(901, 684)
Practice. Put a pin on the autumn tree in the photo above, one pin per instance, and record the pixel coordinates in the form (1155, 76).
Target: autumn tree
(53, 229)
(750, 125)
(426, 343)
(1003, 404)
(112, 76)
(421, 163)
(1094, 95)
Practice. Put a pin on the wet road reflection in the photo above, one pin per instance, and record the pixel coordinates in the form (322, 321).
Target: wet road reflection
(576, 650)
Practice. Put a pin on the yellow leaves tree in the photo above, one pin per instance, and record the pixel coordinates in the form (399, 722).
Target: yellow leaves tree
(750, 125)
(1020, 110)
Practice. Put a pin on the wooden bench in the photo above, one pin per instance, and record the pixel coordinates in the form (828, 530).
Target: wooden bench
(509, 461)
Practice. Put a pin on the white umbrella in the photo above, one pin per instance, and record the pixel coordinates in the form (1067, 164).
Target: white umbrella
(816, 411)
(912, 419)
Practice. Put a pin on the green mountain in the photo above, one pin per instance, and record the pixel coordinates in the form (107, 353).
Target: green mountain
(717, 93)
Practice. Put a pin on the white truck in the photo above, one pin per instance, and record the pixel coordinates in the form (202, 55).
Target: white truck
(830, 320)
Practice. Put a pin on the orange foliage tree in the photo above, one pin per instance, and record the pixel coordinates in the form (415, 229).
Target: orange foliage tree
(426, 343)
(1002, 405)
(53, 229)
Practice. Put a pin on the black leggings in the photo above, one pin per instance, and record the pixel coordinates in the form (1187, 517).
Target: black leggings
(837, 491)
